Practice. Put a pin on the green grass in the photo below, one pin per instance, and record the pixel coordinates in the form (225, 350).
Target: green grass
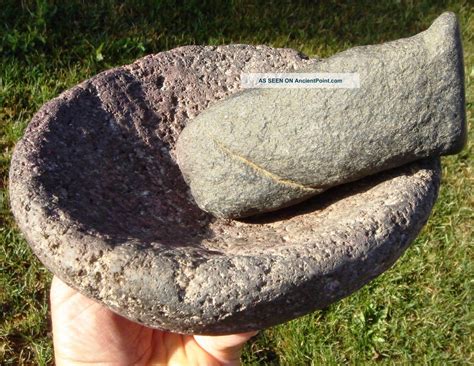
(419, 312)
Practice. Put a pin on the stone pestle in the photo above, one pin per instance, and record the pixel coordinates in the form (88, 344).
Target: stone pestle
(265, 149)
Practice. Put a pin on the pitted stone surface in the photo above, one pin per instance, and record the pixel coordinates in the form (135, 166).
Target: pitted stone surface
(264, 149)
(96, 190)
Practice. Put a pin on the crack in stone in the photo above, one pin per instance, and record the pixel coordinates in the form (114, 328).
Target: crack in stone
(261, 170)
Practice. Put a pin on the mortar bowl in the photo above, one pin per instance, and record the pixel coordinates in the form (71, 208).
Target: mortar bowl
(96, 190)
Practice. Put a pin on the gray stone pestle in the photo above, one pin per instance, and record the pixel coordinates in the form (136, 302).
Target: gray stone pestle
(265, 149)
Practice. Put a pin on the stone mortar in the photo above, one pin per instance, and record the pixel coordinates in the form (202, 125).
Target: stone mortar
(96, 190)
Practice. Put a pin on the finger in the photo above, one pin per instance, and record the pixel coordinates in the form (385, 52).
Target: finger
(225, 348)
(60, 291)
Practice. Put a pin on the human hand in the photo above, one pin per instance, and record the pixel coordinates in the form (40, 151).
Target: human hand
(86, 332)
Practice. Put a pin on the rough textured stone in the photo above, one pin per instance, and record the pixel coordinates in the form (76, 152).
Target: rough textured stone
(96, 190)
(264, 149)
